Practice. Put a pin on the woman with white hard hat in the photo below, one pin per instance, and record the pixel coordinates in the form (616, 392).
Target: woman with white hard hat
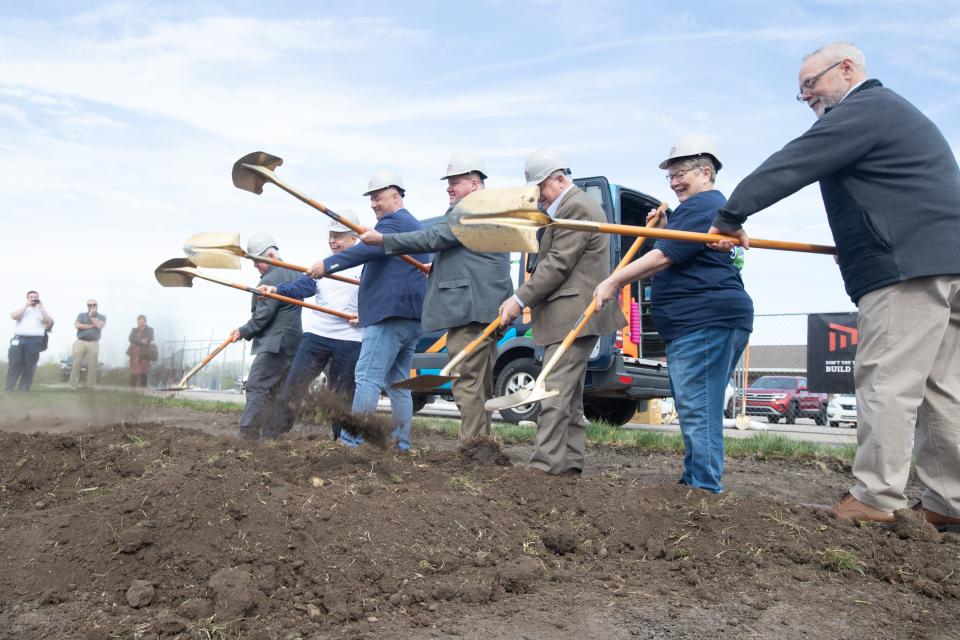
(700, 308)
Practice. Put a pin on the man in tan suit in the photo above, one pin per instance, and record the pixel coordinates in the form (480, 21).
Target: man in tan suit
(569, 266)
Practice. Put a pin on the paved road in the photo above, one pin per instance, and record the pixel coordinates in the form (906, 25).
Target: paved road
(805, 429)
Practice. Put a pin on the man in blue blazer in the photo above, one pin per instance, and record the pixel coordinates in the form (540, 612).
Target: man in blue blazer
(390, 303)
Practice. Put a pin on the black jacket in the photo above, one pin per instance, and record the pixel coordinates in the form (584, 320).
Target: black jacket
(890, 185)
(274, 326)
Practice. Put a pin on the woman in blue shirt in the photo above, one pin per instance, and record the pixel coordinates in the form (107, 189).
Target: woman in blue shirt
(700, 309)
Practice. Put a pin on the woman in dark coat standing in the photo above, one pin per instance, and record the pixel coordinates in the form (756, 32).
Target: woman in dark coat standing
(142, 352)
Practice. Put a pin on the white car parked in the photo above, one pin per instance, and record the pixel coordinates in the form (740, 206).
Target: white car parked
(842, 408)
(729, 405)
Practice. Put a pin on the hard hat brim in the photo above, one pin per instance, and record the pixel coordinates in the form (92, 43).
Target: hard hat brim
(482, 175)
(716, 163)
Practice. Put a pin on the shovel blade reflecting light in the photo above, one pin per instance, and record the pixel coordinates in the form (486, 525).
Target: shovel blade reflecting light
(498, 201)
(489, 236)
(170, 274)
(245, 174)
(222, 240)
(212, 258)
(524, 396)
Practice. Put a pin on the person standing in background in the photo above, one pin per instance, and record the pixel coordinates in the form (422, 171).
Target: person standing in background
(89, 327)
(33, 322)
(142, 352)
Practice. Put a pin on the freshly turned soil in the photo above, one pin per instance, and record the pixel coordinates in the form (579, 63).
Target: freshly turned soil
(164, 525)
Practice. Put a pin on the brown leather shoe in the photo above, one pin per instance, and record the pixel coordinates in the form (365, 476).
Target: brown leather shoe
(941, 522)
(849, 508)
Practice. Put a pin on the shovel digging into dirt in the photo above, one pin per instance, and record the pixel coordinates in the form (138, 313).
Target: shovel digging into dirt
(426, 382)
(516, 229)
(255, 169)
(182, 385)
(539, 390)
(180, 272)
(217, 250)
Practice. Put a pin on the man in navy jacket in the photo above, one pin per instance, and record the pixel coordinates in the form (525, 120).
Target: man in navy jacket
(390, 303)
(891, 188)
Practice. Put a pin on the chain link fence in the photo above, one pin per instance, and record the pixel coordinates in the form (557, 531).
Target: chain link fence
(226, 372)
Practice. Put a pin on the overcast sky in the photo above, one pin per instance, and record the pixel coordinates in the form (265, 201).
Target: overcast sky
(120, 122)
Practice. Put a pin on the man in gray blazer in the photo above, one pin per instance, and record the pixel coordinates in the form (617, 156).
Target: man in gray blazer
(569, 266)
(463, 295)
(274, 327)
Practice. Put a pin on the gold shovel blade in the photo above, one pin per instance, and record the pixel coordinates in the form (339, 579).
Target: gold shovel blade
(484, 220)
(521, 397)
(495, 235)
(248, 171)
(212, 258)
(214, 249)
(216, 240)
(174, 273)
(510, 200)
(425, 382)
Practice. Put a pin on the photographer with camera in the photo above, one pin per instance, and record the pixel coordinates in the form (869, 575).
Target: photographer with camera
(29, 339)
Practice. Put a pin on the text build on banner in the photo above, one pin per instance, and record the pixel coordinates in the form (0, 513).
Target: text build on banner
(831, 349)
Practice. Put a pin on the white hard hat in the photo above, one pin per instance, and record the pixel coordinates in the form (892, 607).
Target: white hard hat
(466, 162)
(258, 243)
(693, 145)
(383, 179)
(346, 214)
(541, 163)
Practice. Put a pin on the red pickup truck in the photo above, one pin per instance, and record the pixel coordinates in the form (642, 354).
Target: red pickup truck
(785, 397)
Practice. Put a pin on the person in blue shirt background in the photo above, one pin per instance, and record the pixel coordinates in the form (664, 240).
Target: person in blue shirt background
(700, 308)
(390, 303)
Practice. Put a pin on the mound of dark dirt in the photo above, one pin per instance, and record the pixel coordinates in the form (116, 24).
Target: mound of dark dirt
(483, 450)
(150, 531)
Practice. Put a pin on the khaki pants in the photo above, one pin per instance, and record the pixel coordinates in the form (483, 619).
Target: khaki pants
(561, 426)
(475, 384)
(908, 394)
(83, 349)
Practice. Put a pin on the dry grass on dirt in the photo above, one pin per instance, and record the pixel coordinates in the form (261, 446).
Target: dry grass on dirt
(153, 530)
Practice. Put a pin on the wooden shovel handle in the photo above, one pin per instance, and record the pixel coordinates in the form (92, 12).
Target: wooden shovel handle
(301, 269)
(471, 346)
(689, 236)
(322, 208)
(624, 261)
(300, 303)
(213, 354)
(277, 296)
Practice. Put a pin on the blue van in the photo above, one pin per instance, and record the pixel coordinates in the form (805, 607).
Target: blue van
(626, 367)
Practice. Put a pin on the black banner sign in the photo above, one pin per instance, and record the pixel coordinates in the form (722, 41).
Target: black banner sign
(831, 349)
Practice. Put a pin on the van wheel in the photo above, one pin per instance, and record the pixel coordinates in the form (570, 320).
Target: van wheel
(615, 411)
(419, 401)
(518, 374)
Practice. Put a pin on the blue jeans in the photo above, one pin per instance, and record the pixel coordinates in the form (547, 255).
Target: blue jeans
(311, 358)
(22, 362)
(700, 363)
(386, 356)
